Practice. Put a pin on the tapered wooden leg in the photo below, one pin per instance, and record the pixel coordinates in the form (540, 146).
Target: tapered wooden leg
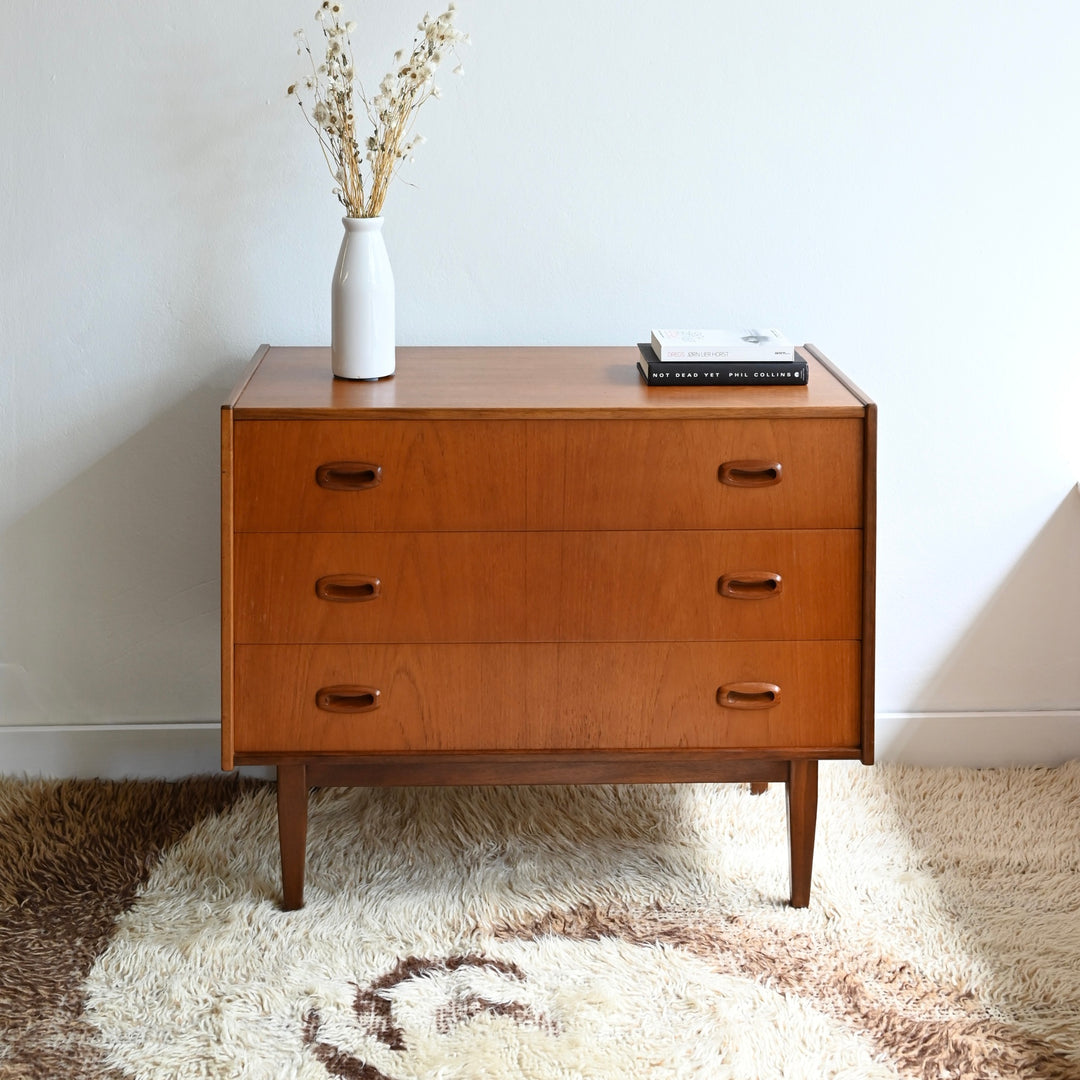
(292, 809)
(802, 788)
(758, 787)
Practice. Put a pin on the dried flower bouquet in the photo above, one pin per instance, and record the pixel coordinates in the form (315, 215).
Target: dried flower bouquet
(333, 90)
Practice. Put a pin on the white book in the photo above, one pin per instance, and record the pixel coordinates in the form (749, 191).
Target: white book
(759, 346)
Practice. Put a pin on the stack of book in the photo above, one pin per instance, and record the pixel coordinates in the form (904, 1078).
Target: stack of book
(721, 358)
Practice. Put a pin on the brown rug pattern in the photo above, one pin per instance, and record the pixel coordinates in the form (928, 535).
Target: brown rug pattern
(115, 894)
(926, 1030)
(72, 855)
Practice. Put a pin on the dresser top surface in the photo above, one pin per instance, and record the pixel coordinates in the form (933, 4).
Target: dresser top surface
(484, 382)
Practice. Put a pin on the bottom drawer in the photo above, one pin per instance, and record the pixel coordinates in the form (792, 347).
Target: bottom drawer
(359, 698)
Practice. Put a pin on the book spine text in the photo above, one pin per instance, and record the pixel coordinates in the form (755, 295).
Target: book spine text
(668, 374)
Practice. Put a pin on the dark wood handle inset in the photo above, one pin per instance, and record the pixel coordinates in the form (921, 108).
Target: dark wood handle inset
(347, 699)
(748, 695)
(751, 473)
(348, 475)
(750, 584)
(348, 588)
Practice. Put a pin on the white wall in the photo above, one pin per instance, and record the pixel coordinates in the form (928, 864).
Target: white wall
(896, 184)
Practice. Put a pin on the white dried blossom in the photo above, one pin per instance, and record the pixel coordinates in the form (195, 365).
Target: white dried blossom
(363, 167)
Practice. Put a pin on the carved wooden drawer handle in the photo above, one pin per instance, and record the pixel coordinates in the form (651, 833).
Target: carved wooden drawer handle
(748, 695)
(348, 475)
(348, 588)
(347, 699)
(750, 585)
(751, 473)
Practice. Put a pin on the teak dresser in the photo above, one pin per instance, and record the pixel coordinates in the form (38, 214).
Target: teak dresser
(523, 565)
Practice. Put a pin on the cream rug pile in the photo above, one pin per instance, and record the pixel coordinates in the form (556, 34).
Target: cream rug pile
(544, 933)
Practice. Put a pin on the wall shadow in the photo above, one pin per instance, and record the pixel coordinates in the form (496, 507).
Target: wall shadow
(1007, 692)
(1022, 652)
(109, 600)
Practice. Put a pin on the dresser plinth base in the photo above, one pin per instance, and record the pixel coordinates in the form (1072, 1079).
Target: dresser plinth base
(299, 773)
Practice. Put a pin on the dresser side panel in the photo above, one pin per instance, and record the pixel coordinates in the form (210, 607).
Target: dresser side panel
(226, 588)
(228, 522)
(869, 577)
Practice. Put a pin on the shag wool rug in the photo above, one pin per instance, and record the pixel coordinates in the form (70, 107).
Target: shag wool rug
(592, 932)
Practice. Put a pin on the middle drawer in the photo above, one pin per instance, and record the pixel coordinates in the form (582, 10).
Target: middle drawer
(547, 586)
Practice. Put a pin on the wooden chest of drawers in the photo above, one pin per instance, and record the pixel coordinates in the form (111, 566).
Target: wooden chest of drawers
(524, 565)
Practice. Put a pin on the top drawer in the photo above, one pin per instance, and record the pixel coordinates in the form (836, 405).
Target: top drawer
(470, 475)
(695, 474)
(378, 475)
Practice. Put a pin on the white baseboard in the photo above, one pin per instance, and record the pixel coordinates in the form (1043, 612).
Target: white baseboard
(982, 739)
(175, 750)
(169, 751)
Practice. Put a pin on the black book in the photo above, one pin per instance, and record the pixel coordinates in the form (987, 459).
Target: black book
(720, 372)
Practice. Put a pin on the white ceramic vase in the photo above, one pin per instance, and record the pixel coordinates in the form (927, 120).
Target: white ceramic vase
(362, 303)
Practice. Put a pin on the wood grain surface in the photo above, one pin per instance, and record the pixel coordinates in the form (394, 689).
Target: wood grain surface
(548, 586)
(546, 697)
(588, 474)
(434, 475)
(474, 382)
(665, 474)
(432, 587)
